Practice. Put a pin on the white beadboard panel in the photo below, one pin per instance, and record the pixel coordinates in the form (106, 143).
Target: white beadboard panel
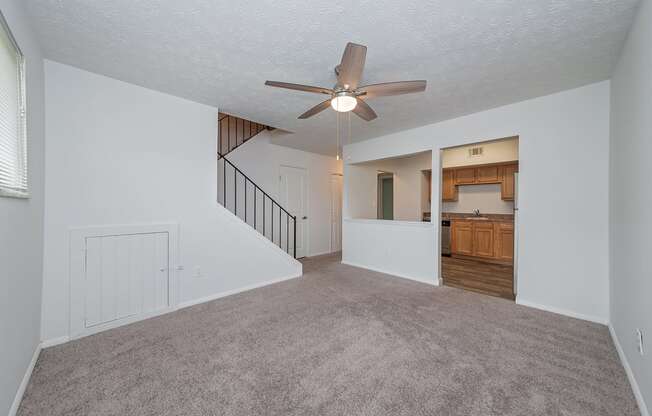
(121, 274)
(125, 275)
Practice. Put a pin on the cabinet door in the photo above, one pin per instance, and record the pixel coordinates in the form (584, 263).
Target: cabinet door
(462, 237)
(508, 183)
(448, 188)
(504, 244)
(483, 239)
(464, 176)
(488, 174)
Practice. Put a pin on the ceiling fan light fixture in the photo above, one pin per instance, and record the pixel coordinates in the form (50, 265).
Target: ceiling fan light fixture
(343, 103)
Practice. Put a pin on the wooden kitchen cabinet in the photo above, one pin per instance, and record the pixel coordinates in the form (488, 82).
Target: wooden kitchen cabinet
(483, 239)
(465, 176)
(491, 240)
(488, 174)
(448, 188)
(498, 173)
(462, 237)
(504, 241)
(508, 183)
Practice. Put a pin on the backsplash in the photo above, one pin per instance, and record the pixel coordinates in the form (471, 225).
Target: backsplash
(486, 198)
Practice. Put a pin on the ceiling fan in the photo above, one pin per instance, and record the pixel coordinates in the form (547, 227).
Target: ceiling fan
(346, 95)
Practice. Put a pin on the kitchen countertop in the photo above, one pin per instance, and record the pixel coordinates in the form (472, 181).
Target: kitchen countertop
(462, 216)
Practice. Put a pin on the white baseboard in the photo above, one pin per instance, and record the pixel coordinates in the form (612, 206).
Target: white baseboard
(215, 296)
(23, 384)
(560, 311)
(321, 253)
(54, 341)
(402, 276)
(630, 374)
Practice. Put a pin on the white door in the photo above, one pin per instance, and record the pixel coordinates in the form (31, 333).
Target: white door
(294, 197)
(126, 277)
(336, 213)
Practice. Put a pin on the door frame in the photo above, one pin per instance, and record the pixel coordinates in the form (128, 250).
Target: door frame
(306, 243)
(77, 273)
(341, 176)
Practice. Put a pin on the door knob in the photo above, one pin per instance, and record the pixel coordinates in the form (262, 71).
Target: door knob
(304, 218)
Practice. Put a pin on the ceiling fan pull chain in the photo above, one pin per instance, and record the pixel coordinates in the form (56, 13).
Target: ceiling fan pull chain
(349, 142)
(337, 150)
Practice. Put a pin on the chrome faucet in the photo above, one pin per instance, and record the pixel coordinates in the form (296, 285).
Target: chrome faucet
(476, 212)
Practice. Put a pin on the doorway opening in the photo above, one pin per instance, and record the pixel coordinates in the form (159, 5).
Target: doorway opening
(479, 217)
(385, 196)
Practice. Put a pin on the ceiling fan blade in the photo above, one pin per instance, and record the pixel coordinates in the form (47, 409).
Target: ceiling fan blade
(363, 111)
(299, 87)
(350, 69)
(316, 109)
(392, 88)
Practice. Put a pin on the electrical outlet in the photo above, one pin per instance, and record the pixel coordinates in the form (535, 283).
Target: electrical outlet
(197, 271)
(639, 341)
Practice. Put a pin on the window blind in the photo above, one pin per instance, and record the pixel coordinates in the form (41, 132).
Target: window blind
(13, 152)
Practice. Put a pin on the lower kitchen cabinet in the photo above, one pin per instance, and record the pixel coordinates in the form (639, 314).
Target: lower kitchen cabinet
(504, 241)
(483, 239)
(486, 239)
(462, 237)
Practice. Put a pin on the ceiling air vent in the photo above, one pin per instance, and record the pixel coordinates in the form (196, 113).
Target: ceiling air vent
(475, 152)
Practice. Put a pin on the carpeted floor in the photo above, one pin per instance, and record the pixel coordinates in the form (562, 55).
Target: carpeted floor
(339, 341)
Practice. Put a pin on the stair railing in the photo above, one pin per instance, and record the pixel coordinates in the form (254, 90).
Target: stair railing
(249, 202)
(234, 132)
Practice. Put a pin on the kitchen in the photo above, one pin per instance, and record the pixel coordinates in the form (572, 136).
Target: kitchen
(479, 217)
(477, 209)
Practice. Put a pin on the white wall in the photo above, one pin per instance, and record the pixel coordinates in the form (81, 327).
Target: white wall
(363, 187)
(261, 161)
(122, 154)
(631, 199)
(563, 156)
(486, 198)
(21, 230)
(495, 151)
(400, 248)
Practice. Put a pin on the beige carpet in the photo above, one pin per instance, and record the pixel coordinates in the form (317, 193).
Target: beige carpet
(339, 341)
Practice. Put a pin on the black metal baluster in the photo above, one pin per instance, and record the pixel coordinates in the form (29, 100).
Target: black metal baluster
(287, 233)
(245, 191)
(271, 215)
(255, 211)
(280, 233)
(264, 214)
(235, 191)
(295, 236)
(224, 177)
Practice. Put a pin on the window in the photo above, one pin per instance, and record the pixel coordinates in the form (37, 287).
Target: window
(13, 146)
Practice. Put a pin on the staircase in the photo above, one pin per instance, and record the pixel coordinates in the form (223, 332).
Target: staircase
(242, 196)
(234, 132)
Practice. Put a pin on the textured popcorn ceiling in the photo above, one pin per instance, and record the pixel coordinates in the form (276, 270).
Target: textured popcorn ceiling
(475, 54)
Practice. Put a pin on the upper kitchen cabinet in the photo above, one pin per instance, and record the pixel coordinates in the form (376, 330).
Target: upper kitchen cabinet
(448, 188)
(495, 173)
(507, 188)
(488, 174)
(465, 176)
